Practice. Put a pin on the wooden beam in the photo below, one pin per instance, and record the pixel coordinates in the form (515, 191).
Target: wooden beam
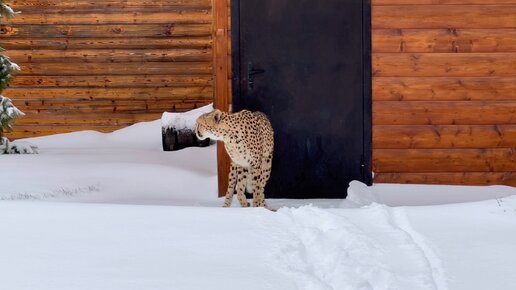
(222, 76)
(112, 81)
(455, 178)
(86, 94)
(121, 16)
(444, 160)
(444, 40)
(441, 2)
(150, 68)
(88, 4)
(444, 64)
(67, 31)
(443, 136)
(444, 113)
(106, 42)
(444, 89)
(444, 16)
(110, 55)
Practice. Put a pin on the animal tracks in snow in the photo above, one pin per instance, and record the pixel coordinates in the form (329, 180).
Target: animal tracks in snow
(368, 248)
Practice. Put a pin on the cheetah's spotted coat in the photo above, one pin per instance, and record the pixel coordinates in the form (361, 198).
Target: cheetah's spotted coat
(249, 140)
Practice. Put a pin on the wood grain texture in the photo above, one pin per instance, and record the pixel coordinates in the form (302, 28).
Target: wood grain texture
(444, 160)
(452, 178)
(444, 64)
(198, 42)
(151, 68)
(105, 31)
(99, 106)
(105, 4)
(444, 40)
(109, 17)
(90, 64)
(204, 92)
(444, 113)
(441, 2)
(25, 131)
(444, 136)
(110, 55)
(110, 81)
(222, 71)
(444, 89)
(50, 118)
(444, 16)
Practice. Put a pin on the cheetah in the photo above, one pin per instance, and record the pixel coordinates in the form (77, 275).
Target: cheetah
(249, 141)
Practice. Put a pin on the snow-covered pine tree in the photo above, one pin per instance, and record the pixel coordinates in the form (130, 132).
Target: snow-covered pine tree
(7, 67)
(8, 112)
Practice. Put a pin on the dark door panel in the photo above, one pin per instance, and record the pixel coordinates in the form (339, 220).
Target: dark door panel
(302, 63)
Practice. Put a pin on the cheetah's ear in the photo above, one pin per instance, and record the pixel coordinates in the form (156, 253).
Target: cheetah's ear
(217, 114)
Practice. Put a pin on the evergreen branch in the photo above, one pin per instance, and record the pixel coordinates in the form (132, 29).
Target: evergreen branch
(6, 11)
(8, 114)
(7, 69)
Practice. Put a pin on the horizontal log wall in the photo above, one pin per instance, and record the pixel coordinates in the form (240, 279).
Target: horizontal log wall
(103, 65)
(444, 91)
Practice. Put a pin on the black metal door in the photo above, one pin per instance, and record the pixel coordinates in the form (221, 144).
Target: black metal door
(306, 64)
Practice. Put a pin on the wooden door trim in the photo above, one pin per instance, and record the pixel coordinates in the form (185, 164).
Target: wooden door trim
(367, 160)
(222, 79)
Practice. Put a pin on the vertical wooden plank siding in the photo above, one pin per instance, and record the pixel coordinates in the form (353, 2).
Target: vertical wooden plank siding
(222, 65)
(444, 91)
(107, 64)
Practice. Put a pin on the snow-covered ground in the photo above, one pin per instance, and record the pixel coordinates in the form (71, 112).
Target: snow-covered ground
(112, 211)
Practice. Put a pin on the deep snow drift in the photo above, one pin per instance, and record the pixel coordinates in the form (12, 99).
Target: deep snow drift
(112, 211)
(127, 166)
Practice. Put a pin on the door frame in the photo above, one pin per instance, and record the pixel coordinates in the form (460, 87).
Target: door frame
(226, 64)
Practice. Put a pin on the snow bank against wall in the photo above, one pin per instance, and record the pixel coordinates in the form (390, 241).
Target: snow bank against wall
(416, 195)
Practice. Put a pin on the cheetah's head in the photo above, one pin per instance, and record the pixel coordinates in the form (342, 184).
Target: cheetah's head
(211, 125)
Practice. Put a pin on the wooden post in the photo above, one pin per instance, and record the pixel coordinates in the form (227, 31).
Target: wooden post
(222, 79)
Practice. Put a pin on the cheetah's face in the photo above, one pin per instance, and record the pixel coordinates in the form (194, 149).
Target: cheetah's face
(210, 125)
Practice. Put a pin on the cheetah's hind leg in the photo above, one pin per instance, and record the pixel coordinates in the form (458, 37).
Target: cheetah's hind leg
(262, 176)
(241, 185)
(257, 185)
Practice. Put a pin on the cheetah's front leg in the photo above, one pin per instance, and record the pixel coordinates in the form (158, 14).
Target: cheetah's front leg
(232, 179)
(237, 181)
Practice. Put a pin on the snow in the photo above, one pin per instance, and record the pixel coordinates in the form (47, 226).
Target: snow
(8, 112)
(184, 120)
(474, 242)
(415, 194)
(85, 246)
(127, 166)
(113, 211)
(8, 12)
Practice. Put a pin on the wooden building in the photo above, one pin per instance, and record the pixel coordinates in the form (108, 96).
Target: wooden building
(439, 96)
(443, 91)
(103, 65)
